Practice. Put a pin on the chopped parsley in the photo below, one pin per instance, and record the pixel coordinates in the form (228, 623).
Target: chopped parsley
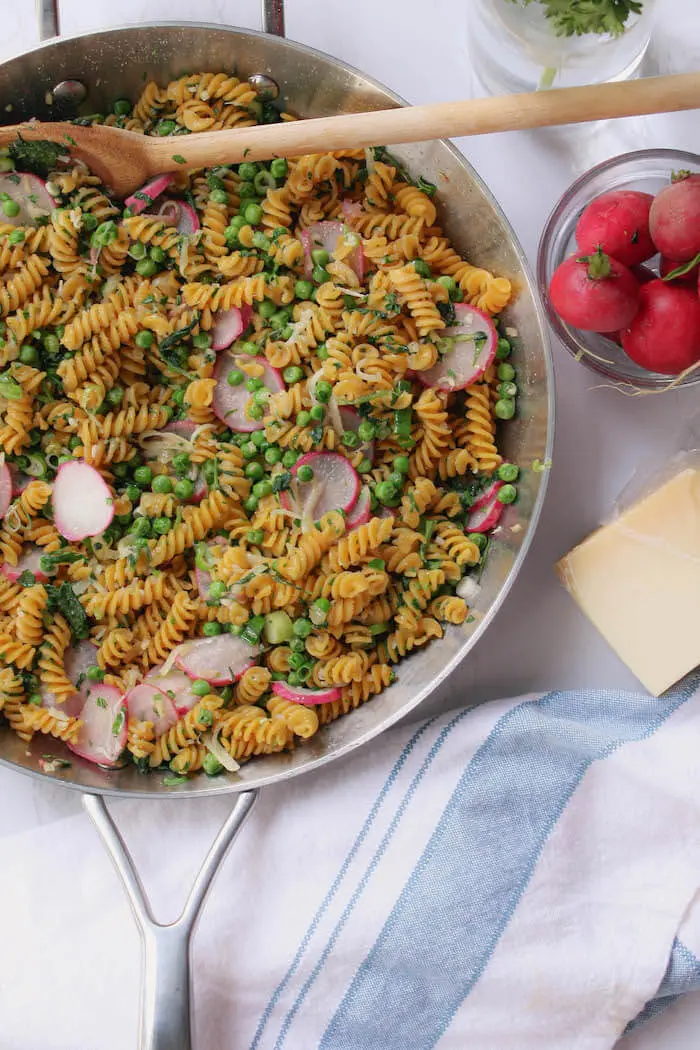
(178, 158)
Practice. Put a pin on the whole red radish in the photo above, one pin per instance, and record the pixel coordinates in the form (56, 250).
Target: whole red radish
(674, 219)
(665, 334)
(618, 223)
(594, 292)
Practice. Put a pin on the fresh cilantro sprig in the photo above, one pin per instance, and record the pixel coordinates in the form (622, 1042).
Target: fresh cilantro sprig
(577, 17)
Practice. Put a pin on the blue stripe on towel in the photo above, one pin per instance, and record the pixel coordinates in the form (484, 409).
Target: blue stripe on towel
(408, 797)
(337, 882)
(459, 899)
(682, 975)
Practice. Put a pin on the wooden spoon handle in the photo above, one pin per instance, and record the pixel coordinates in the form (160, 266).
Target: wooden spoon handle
(419, 123)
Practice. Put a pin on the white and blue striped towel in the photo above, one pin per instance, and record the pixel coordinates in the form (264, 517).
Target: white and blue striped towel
(524, 875)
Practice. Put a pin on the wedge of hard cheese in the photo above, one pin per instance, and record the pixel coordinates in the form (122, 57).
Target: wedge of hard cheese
(638, 581)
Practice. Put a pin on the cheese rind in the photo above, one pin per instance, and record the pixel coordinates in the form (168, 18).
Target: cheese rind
(638, 581)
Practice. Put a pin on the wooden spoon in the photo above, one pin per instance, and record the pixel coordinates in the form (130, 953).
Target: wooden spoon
(125, 160)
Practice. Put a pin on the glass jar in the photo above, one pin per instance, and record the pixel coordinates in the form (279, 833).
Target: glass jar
(514, 48)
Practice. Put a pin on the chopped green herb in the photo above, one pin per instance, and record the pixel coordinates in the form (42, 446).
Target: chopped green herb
(178, 158)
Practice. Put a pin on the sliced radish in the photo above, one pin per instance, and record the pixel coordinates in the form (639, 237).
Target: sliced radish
(82, 501)
(230, 401)
(177, 686)
(204, 578)
(219, 660)
(29, 191)
(102, 736)
(473, 351)
(5, 489)
(361, 512)
(351, 420)
(183, 428)
(179, 214)
(334, 486)
(78, 661)
(485, 517)
(150, 704)
(143, 198)
(19, 480)
(297, 695)
(352, 209)
(487, 495)
(71, 706)
(325, 235)
(229, 324)
(28, 562)
(201, 489)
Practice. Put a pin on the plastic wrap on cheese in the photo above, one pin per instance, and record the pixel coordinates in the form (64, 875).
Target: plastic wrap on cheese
(637, 579)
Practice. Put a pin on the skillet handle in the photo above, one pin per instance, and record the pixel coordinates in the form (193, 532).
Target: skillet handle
(165, 1022)
(273, 17)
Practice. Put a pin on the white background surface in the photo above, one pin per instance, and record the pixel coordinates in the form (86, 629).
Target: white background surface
(538, 640)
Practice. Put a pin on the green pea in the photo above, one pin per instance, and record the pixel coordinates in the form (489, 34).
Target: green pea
(264, 181)
(133, 493)
(141, 527)
(10, 208)
(303, 289)
(217, 589)
(144, 338)
(293, 374)
(508, 472)
(162, 525)
(6, 164)
(255, 536)
(364, 466)
(266, 309)
(507, 390)
(146, 268)
(507, 494)
(250, 505)
(180, 463)
(166, 127)
(248, 347)
(273, 455)
(250, 449)
(280, 318)
(114, 396)
(212, 628)
(396, 478)
(254, 471)
(350, 439)
(247, 171)
(162, 484)
(256, 411)
(253, 383)
(305, 472)
(138, 250)
(210, 763)
(302, 627)
(279, 167)
(447, 282)
(16, 237)
(322, 352)
(289, 458)
(183, 489)
(237, 223)
(258, 438)
(122, 107)
(504, 408)
(402, 464)
(261, 241)
(157, 254)
(95, 673)
(200, 688)
(262, 488)
(89, 222)
(219, 196)
(233, 628)
(366, 430)
(143, 476)
(323, 604)
(235, 377)
(385, 492)
(320, 275)
(317, 413)
(503, 349)
(320, 256)
(506, 372)
(29, 355)
(478, 539)
(421, 267)
(253, 214)
(303, 419)
(122, 471)
(324, 391)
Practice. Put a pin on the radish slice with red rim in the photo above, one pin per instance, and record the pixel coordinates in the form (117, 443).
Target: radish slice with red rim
(82, 501)
(470, 349)
(325, 235)
(149, 703)
(220, 660)
(28, 562)
(30, 193)
(202, 576)
(102, 736)
(351, 420)
(297, 695)
(229, 325)
(6, 488)
(177, 686)
(352, 209)
(19, 480)
(183, 428)
(487, 516)
(78, 661)
(150, 191)
(335, 486)
(71, 706)
(485, 497)
(361, 512)
(230, 402)
(179, 214)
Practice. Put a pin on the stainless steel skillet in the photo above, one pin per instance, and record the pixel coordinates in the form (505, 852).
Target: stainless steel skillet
(84, 74)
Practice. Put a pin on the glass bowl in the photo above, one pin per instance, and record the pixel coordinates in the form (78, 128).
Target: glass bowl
(648, 170)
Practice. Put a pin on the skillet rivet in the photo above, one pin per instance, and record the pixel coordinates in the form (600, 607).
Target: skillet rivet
(70, 91)
(265, 87)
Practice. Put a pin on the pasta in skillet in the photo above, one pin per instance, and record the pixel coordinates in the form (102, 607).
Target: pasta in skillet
(288, 384)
